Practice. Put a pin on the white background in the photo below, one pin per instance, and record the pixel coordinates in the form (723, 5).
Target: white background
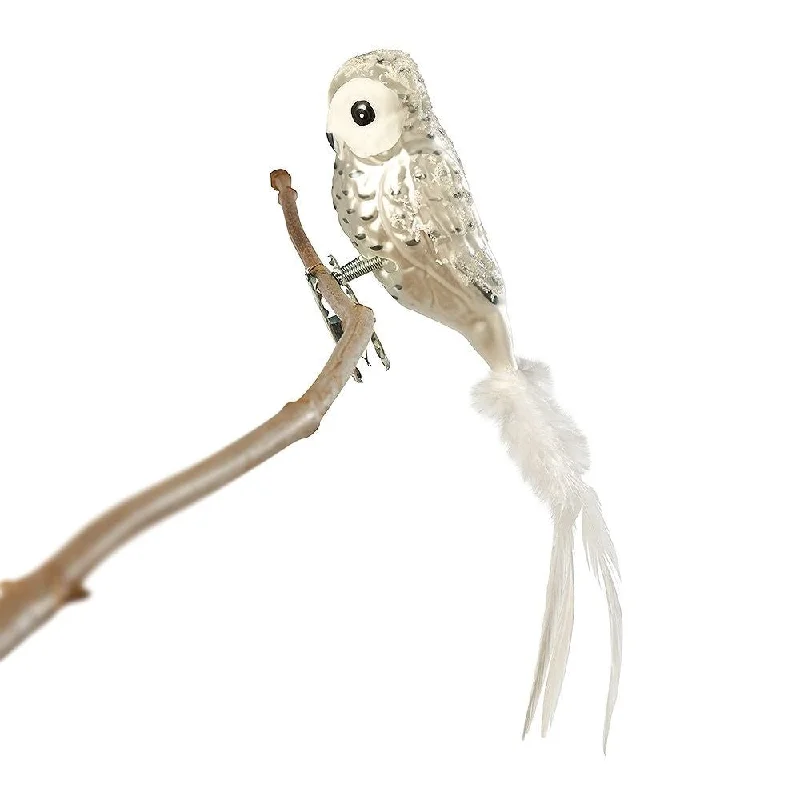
(359, 617)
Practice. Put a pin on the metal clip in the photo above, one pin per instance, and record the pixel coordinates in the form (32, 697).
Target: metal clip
(344, 274)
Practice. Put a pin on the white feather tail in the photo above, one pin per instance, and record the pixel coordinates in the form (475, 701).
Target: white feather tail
(553, 455)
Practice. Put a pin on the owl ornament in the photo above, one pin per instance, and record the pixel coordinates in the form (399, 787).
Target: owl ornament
(403, 200)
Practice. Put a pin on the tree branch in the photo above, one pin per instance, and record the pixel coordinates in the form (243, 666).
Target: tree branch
(26, 604)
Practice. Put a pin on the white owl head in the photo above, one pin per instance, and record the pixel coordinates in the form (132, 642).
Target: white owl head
(372, 100)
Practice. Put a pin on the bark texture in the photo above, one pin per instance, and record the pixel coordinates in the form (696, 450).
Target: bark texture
(27, 603)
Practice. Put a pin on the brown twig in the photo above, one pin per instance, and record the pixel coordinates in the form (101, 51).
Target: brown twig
(28, 603)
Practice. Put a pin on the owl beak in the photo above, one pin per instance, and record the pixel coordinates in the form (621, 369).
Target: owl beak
(329, 137)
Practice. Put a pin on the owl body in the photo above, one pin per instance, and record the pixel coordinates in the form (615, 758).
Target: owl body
(400, 193)
(411, 205)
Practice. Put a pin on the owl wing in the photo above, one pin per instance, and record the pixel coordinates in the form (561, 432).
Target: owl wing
(428, 212)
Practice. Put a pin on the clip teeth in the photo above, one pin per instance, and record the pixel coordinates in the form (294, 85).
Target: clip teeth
(350, 271)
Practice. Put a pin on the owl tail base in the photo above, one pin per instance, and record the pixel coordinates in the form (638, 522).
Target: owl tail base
(552, 455)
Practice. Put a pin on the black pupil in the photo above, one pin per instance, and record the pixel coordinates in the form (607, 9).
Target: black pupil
(362, 113)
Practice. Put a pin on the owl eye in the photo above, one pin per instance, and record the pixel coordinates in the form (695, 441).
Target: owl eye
(362, 113)
(366, 117)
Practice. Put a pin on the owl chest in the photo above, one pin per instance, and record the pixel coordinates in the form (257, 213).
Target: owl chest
(364, 214)
(356, 195)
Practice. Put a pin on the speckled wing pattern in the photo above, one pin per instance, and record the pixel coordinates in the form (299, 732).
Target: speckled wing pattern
(433, 199)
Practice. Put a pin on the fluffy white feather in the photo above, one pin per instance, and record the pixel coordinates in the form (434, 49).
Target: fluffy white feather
(552, 455)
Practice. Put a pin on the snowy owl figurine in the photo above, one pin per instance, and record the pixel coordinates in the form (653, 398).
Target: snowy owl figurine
(403, 200)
